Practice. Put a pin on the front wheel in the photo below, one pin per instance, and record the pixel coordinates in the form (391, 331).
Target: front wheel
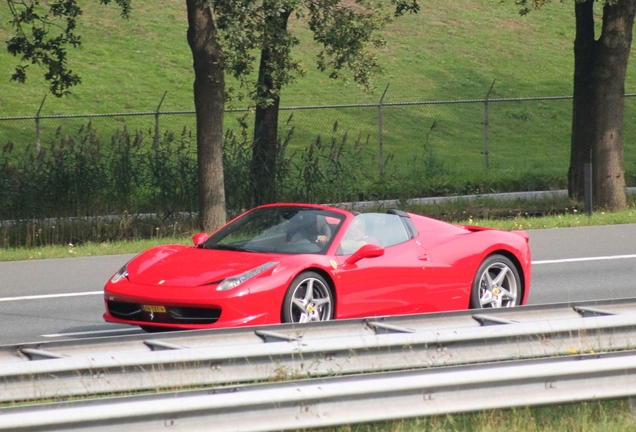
(308, 299)
(497, 284)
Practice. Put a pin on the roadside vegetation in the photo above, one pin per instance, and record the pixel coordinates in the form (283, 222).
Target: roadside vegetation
(84, 190)
(597, 416)
(506, 215)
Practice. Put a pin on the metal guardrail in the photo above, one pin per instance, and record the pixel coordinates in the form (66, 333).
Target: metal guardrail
(345, 400)
(180, 360)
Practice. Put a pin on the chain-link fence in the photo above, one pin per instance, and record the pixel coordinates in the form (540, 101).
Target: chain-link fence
(56, 166)
(405, 149)
(472, 137)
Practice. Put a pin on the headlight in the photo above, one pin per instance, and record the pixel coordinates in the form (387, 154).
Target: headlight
(122, 273)
(234, 281)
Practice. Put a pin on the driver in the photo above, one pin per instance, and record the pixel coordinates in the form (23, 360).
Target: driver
(309, 227)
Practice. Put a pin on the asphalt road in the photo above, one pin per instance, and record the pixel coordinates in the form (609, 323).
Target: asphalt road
(61, 298)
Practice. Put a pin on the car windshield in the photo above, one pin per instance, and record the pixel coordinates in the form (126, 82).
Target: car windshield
(284, 229)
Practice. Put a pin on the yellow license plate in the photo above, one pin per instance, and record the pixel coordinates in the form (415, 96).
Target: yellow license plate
(154, 308)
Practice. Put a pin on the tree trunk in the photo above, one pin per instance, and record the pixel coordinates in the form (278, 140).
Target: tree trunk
(582, 106)
(265, 151)
(612, 55)
(265, 146)
(209, 93)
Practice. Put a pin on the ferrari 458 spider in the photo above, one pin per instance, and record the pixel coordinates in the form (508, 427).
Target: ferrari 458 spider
(300, 262)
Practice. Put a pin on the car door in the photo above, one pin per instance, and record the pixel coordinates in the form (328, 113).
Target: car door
(393, 283)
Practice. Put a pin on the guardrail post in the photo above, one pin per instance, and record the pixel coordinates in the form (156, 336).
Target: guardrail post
(380, 126)
(486, 137)
(155, 140)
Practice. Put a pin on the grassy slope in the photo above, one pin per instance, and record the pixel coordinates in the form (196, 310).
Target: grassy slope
(450, 50)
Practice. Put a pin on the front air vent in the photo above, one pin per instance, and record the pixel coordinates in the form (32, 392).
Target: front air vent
(172, 315)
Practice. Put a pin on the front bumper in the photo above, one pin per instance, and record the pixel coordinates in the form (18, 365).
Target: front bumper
(189, 307)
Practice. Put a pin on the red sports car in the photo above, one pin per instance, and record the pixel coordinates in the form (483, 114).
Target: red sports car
(301, 262)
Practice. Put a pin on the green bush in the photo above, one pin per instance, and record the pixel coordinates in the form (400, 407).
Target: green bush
(78, 188)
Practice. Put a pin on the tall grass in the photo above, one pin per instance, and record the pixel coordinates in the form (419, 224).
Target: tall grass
(597, 416)
(78, 188)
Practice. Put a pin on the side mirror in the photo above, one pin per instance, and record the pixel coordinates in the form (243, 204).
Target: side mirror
(366, 251)
(199, 239)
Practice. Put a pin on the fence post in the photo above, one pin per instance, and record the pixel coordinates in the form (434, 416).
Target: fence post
(155, 140)
(380, 125)
(486, 137)
(37, 128)
(587, 189)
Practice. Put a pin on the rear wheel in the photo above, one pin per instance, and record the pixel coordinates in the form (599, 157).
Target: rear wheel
(308, 299)
(497, 284)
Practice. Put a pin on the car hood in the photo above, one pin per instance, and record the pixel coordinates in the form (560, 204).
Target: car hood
(184, 266)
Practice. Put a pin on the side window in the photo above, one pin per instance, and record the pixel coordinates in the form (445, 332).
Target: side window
(389, 230)
(373, 228)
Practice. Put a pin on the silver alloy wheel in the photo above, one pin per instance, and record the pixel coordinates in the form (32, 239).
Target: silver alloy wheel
(498, 285)
(308, 300)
